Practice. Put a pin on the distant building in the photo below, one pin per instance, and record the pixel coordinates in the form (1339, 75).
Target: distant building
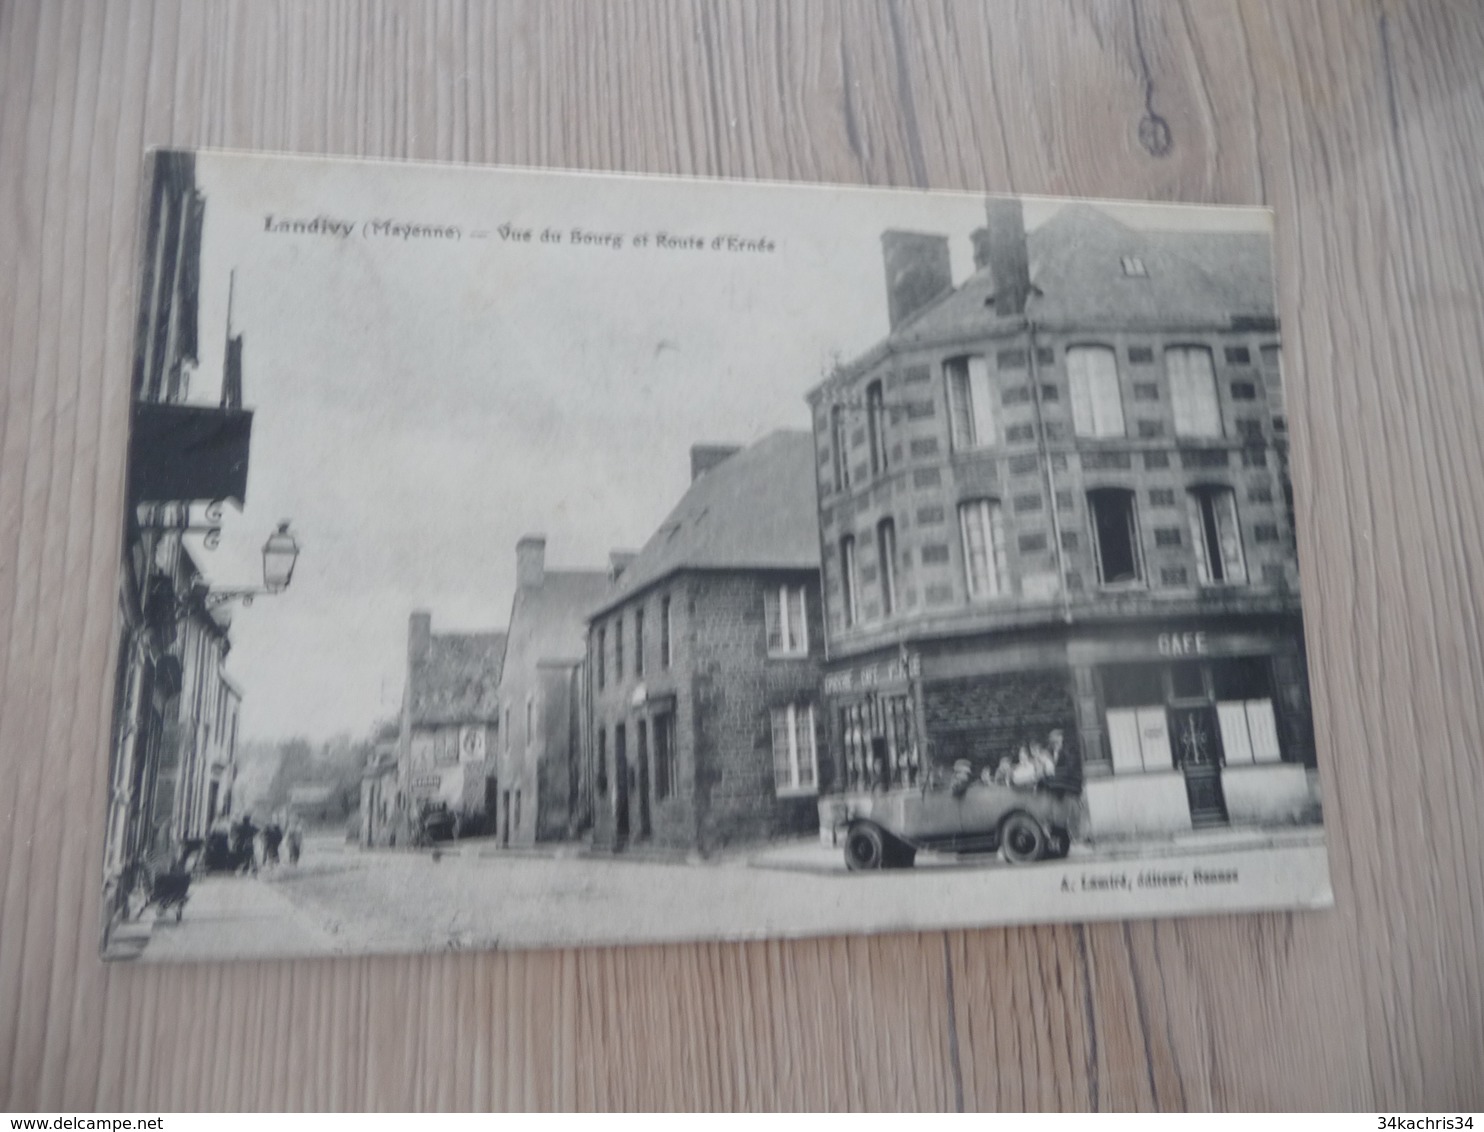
(1054, 498)
(537, 768)
(381, 795)
(450, 721)
(704, 661)
(318, 803)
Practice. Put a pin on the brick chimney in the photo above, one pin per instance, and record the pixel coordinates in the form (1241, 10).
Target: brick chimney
(704, 457)
(1004, 249)
(419, 636)
(918, 270)
(530, 561)
(618, 562)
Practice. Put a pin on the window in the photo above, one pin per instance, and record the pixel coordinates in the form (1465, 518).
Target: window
(639, 641)
(618, 648)
(505, 728)
(984, 548)
(664, 756)
(1134, 266)
(970, 403)
(795, 760)
(1244, 709)
(838, 444)
(784, 610)
(665, 631)
(1115, 533)
(530, 719)
(602, 772)
(1097, 406)
(1193, 391)
(1216, 536)
(602, 658)
(849, 583)
(876, 426)
(886, 564)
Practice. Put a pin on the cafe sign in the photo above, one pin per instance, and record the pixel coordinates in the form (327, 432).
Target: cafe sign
(871, 677)
(1184, 644)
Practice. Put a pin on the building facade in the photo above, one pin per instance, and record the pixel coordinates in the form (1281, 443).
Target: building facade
(198, 762)
(705, 659)
(381, 794)
(536, 785)
(166, 632)
(1054, 500)
(449, 726)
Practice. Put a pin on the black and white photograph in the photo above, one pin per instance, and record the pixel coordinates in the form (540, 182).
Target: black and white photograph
(523, 559)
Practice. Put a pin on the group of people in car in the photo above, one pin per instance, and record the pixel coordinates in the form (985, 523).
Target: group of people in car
(1035, 763)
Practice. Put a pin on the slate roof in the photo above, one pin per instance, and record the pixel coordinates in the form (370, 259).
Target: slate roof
(549, 622)
(1076, 269)
(458, 679)
(755, 510)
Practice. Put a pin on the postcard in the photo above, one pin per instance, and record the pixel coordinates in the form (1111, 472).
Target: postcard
(517, 558)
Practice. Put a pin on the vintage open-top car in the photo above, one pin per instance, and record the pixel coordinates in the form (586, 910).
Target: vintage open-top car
(885, 830)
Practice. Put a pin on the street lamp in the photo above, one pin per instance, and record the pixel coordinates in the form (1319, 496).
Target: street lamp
(280, 553)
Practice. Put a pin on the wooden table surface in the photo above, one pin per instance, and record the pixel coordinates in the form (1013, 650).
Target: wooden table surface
(1362, 124)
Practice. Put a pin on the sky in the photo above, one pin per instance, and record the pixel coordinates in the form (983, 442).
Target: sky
(420, 404)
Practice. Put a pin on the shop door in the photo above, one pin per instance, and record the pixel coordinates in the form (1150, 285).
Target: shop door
(505, 820)
(1197, 741)
(491, 803)
(642, 759)
(620, 783)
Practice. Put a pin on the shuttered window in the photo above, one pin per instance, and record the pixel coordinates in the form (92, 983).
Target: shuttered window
(1193, 396)
(784, 609)
(983, 548)
(1216, 536)
(1097, 404)
(970, 403)
(795, 758)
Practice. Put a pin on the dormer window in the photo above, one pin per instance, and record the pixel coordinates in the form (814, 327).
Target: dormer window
(1134, 266)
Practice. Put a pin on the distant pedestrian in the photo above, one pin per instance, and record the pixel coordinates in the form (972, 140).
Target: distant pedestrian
(294, 836)
(272, 838)
(244, 836)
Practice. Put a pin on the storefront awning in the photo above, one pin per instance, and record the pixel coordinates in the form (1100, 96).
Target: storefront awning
(180, 453)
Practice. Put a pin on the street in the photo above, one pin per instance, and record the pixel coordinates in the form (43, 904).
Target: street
(341, 899)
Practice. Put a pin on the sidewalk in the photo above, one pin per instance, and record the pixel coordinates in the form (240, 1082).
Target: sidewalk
(810, 856)
(235, 917)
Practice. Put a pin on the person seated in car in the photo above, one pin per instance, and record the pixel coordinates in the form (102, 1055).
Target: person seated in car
(1045, 764)
(963, 775)
(1002, 771)
(1024, 774)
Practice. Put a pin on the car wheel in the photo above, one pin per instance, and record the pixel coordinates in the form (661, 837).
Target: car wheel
(1022, 839)
(865, 848)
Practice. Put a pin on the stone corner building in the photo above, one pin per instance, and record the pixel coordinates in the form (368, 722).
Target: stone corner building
(705, 658)
(449, 723)
(1054, 497)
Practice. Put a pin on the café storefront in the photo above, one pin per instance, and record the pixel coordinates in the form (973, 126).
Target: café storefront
(872, 715)
(1172, 726)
